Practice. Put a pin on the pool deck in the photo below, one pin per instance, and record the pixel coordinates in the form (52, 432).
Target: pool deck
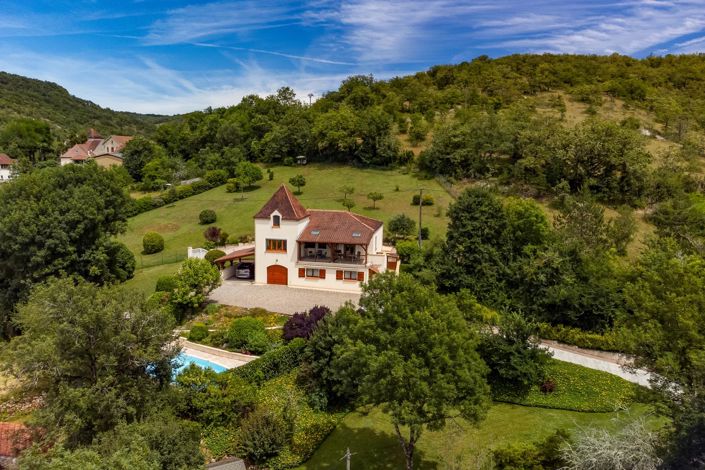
(221, 357)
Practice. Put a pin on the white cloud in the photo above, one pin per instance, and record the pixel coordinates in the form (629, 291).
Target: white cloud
(194, 22)
(640, 28)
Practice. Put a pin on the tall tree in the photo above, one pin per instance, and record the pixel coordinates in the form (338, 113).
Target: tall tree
(412, 353)
(99, 356)
(58, 220)
(139, 152)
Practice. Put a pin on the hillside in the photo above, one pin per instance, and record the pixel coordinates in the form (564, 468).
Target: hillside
(22, 97)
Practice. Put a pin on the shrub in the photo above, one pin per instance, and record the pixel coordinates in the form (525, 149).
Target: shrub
(302, 325)
(216, 177)
(427, 200)
(233, 239)
(213, 255)
(232, 186)
(223, 238)
(548, 386)
(198, 332)
(248, 334)
(274, 363)
(200, 186)
(609, 341)
(184, 191)
(166, 284)
(262, 435)
(152, 243)
(543, 454)
(288, 161)
(207, 216)
(143, 204)
(212, 234)
(220, 441)
(213, 399)
(401, 225)
(271, 175)
(425, 233)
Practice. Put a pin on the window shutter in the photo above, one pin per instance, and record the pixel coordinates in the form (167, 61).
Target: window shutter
(322, 273)
(339, 275)
(302, 272)
(360, 276)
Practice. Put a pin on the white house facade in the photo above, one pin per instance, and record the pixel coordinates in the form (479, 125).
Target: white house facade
(6, 170)
(316, 249)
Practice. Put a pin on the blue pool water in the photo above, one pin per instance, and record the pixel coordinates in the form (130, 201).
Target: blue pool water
(184, 360)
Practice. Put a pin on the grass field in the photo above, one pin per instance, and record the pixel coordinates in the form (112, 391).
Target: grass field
(370, 436)
(178, 222)
(580, 389)
(145, 280)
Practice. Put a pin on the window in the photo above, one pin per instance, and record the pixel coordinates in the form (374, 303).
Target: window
(350, 275)
(276, 220)
(276, 245)
(315, 272)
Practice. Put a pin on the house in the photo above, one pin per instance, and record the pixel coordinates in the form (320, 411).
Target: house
(105, 152)
(6, 172)
(315, 249)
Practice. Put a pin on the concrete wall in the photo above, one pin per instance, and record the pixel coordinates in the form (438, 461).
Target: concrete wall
(108, 161)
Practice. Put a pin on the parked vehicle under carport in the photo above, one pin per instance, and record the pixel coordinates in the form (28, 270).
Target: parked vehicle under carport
(245, 270)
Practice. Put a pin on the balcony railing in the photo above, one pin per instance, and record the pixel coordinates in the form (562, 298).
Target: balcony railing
(341, 259)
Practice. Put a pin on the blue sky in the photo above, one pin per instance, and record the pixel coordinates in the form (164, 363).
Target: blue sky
(177, 56)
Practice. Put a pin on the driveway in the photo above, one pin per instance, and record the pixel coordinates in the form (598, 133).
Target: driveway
(280, 299)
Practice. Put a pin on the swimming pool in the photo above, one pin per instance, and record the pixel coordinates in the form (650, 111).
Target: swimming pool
(184, 360)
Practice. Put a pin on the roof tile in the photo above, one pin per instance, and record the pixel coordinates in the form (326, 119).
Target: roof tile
(285, 203)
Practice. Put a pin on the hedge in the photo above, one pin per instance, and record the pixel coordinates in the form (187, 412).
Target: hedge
(213, 255)
(207, 216)
(147, 203)
(273, 363)
(609, 341)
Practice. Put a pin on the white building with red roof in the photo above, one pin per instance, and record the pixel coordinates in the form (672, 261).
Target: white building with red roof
(6, 170)
(105, 152)
(315, 249)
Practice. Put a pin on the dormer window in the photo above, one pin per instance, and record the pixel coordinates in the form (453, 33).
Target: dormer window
(276, 220)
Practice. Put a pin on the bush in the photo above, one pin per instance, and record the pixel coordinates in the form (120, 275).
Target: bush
(207, 216)
(425, 233)
(200, 186)
(184, 191)
(223, 238)
(216, 177)
(274, 363)
(213, 255)
(198, 332)
(152, 243)
(302, 325)
(262, 435)
(220, 442)
(166, 284)
(212, 234)
(232, 186)
(427, 200)
(609, 341)
(543, 454)
(248, 334)
(143, 204)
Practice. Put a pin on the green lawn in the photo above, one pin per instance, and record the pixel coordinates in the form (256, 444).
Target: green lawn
(178, 222)
(145, 280)
(371, 437)
(580, 389)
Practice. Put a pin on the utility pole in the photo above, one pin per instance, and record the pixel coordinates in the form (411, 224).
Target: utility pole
(420, 207)
(310, 96)
(347, 459)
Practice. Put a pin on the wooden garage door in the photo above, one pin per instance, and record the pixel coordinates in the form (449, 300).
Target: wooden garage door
(277, 275)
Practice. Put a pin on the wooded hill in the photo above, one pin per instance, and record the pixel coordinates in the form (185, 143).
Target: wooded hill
(68, 116)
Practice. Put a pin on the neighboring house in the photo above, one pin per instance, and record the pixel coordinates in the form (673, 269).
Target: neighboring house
(315, 249)
(6, 171)
(105, 152)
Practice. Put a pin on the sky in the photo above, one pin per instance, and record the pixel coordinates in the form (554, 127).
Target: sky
(167, 57)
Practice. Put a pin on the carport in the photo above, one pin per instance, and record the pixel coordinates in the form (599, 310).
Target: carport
(233, 258)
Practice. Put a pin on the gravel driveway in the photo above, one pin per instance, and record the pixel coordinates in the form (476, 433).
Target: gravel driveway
(281, 299)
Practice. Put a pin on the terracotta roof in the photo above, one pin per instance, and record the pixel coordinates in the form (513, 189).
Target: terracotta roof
(285, 203)
(91, 144)
(14, 438)
(5, 159)
(121, 140)
(77, 152)
(327, 226)
(237, 254)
